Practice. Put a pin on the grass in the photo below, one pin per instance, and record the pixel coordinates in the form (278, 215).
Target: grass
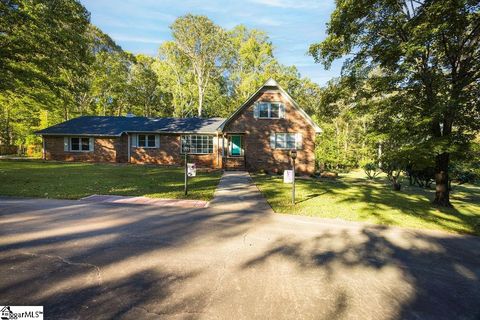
(353, 197)
(78, 180)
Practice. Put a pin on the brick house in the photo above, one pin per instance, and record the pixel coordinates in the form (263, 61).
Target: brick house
(257, 136)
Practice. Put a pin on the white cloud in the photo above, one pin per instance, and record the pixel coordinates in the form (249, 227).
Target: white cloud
(116, 22)
(291, 3)
(269, 22)
(137, 39)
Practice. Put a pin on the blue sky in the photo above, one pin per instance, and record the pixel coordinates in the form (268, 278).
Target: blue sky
(292, 25)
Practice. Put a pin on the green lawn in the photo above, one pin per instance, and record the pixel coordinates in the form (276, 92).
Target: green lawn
(353, 197)
(77, 180)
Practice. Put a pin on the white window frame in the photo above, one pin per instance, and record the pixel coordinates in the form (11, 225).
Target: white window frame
(204, 138)
(285, 135)
(70, 144)
(269, 108)
(146, 146)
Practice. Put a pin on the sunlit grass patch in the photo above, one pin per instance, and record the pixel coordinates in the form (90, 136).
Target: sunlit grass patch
(353, 197)
(78, 180)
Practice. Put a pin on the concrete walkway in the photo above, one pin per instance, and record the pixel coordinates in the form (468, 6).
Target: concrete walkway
(232, 260)
(237, 192)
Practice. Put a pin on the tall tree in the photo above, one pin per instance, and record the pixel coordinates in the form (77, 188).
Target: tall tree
(110, 82)
(252, 57)
(205, 45)
(42, 45)
(175, 76)
(40, 38)
(345, 142)
(145, 92)
(428, 49)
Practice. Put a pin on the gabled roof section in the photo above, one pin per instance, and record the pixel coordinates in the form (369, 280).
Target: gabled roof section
(271, 83)
(115, 126)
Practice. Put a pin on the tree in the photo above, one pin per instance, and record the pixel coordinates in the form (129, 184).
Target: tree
(427, 50)
(175, 76)
(38, 39)
(206, 47)
(252, 58)
(345, 140)
(42, 45)
(110, 82)
(145, 92)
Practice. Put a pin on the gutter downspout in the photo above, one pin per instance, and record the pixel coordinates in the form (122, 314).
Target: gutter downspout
(128, 144)
(223, 151)
(218, 152)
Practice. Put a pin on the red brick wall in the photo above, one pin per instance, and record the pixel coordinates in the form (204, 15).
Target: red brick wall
(258, 153)
(169, 154)
(104, 150)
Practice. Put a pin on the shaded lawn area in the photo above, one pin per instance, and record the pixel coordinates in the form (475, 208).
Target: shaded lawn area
(355, 198)
(78, 180)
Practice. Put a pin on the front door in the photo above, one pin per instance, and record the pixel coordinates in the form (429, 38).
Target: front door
(236, 145)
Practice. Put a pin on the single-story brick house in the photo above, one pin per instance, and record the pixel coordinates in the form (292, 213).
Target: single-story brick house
(257, 136)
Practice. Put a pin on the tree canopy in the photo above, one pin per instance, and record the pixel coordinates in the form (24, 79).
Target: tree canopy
(408, 97)
(419, 63)
(55, 65)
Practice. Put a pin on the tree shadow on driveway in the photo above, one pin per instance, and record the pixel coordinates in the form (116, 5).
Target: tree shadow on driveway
(101, 261)
(95, 261)
(386, 273)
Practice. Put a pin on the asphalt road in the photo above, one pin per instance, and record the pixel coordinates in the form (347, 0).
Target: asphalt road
(232, 260)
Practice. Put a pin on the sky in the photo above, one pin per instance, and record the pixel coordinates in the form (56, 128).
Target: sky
(140, 26)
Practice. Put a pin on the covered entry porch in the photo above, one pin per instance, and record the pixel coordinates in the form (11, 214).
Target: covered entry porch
(233, 151)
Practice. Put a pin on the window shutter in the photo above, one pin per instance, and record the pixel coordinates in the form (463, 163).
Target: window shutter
(134, 140)
(91, 142)
(157, 141)
(298, 141)
(282, 111)
(256, 110)
(272, 140)
(65, 143)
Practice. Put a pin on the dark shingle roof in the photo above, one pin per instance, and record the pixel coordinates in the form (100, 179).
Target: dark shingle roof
(115, 126)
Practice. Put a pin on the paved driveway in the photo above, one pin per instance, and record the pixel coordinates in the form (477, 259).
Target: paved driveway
(233, 260)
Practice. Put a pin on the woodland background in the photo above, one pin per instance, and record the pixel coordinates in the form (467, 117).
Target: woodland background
(407, 100)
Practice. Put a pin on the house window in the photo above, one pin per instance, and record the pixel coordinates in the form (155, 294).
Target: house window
(263, 110)
(146, 140)
(80, 144)
(285, 140)
(269, 110)
(274, 110)
(199, 144)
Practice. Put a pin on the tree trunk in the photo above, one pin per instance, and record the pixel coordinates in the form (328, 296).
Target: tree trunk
(442, 192)
(200, 100)
(345, 143)
(7, 128)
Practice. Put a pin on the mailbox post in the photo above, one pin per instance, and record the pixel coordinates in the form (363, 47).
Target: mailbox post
(186, 150)
(293, 155)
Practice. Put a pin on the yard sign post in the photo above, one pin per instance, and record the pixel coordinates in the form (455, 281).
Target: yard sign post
(186, 150)
(293, 155)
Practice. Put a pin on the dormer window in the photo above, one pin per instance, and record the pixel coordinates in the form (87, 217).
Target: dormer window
(269, 110)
